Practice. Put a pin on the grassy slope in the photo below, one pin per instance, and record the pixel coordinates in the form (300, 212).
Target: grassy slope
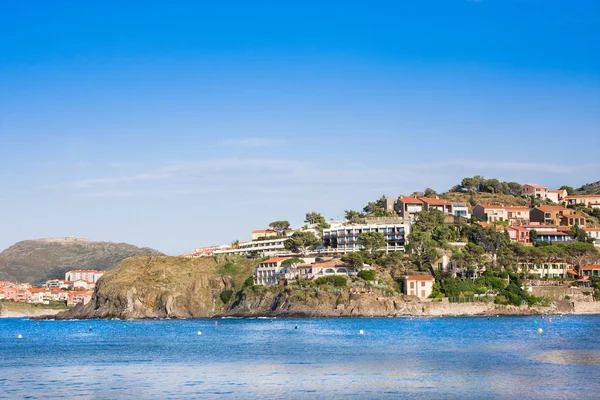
(589, 188)
(185, 277)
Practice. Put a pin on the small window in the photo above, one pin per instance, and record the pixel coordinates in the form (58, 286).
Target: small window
(422, 284)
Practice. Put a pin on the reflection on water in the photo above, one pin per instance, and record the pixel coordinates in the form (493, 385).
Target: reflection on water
(468, 358)
(570, 357)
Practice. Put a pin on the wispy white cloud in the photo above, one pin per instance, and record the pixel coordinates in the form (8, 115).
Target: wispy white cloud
(254, 142)
(264, 175)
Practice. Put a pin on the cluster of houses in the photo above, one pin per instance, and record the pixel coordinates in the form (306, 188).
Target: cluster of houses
(77, 287)
(551, 222)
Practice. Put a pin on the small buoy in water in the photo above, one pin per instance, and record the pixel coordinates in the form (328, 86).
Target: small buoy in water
(90, 329)
(296, 327)
(199, 333)
(540, 330)
(216, 323)
(535, 322)
(19, 336)
(361, 332)
(549, 319)
(124, 326)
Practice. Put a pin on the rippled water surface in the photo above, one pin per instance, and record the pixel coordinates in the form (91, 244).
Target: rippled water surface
(446, 357)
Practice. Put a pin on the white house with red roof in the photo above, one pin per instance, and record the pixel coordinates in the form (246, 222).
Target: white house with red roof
(269, 271)
(535, 190)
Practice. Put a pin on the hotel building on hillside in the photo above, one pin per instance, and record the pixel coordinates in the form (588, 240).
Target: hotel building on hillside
(345, 238)
(88, 275)
(264, 248)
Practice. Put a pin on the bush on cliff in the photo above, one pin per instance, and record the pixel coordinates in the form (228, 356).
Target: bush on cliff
(336, 280)
(367, 274)
(226, 295)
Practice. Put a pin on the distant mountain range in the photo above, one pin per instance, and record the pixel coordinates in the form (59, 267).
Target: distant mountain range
(37, 260)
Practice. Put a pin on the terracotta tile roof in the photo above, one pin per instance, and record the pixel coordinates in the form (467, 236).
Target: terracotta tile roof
(264, 231)
(591, 229)
(37, 290)
(580, 196)
(547, 208)
(433, 201)
(591, 267)
(408, 199)
(557, 233)
(535, 185)
(557, 191)
(419, 278)
(574, 215)
(274, 260)
(517, 208)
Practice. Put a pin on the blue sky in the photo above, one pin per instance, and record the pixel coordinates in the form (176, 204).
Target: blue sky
(180, 124)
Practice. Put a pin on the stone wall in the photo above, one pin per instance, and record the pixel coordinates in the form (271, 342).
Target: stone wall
(558, 293)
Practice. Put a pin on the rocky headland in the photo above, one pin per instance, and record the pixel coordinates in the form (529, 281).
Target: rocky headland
(173, 287)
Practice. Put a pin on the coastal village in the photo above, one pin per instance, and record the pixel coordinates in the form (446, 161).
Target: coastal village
(322, 249)
(444, 247)
(77, 287)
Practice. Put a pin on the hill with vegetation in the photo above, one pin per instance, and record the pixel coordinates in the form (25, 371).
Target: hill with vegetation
(589, 188)
(41, 259)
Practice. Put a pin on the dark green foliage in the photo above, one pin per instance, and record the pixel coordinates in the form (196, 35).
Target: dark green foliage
(372, 241)
(354, 259)
(377, 208)
(367, 274)
(280, 227)
(249, 282)
(301, 242)
(335, 280)
(226, 295)
(229, 269)
(292, 261)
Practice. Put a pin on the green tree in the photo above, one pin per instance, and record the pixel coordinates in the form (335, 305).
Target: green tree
(469, 184)
(580, 235)
(354, 217)
(422, 249)
(515, 188)
(301, 242)
(367, 274)
(533, 236)
(470, 258)
(354, 259)
(377, 208)
(429, 192)
(372, 241)
(292, 261)
(569, 189)
(428, 221)
(281, 227)
(444, 234)
(314, 218)
(580, 254)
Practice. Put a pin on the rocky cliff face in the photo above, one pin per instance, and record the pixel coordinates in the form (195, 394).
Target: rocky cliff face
(171, 287)
(160, 287)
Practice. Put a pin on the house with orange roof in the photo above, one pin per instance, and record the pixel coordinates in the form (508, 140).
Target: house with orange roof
(535, 190)
(76, 297)
(408, 207)
(418, 285)
(556, 195)
(430, 203)
(490, 212)
(268, 272)
(551, 215)
(39, 295)
(589, 200)
(591, 270)
(319, 269)
(263, 233)
(15, 293)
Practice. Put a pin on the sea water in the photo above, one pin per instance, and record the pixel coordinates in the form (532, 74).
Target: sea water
(450, 357)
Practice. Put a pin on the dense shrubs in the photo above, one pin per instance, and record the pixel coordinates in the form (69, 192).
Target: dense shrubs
(367, 274)
(336, 280)
(226, 295)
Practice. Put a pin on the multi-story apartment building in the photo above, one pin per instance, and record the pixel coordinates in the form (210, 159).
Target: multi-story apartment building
(88, 275)
(556, 215)
(594, 233)
(490, 212)
(345, 238)
(264, 248)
